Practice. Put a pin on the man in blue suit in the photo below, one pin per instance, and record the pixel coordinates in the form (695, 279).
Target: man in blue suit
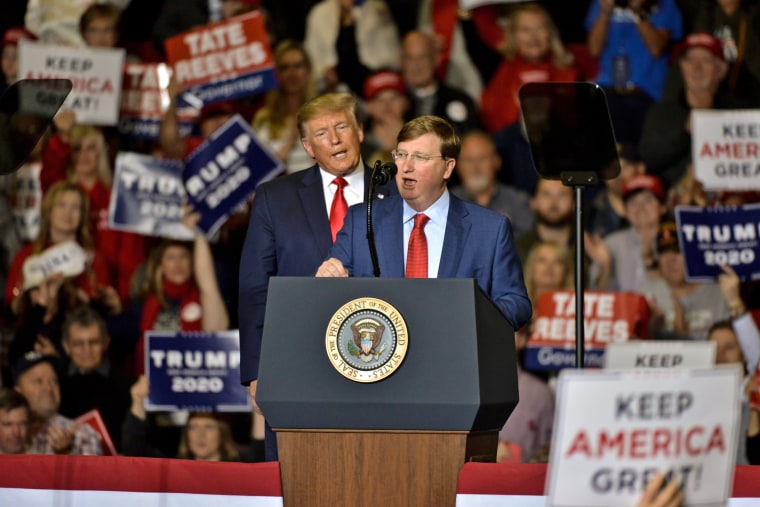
(461, 240)
(293, 219)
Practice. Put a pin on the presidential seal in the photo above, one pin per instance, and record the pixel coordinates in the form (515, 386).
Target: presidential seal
(366, 340)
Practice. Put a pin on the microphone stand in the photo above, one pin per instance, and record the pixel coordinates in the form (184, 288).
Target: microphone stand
(370, 229)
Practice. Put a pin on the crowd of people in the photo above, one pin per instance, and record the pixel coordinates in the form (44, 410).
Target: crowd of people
(353, 78)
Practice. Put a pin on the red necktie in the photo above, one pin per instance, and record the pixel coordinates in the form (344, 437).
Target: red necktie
(338, 208)
(417, 253)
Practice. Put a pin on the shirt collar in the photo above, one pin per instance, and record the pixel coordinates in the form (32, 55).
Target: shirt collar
(355, 177)
(437, 212)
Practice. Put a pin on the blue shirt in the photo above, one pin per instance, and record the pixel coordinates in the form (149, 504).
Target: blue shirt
(646, 71)
(435, 229)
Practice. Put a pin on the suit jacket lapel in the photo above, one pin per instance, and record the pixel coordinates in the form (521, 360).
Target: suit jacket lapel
(455, 238)
(313, 200)
(389, 237)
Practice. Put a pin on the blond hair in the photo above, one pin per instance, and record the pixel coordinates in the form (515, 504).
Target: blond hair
(78, 135)
(327, 103)
(274, 114)
(561, 57)
(83, 234)
(562, 252)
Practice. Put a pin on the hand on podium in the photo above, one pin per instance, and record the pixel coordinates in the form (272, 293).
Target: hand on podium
(332, 268)
(252, 394)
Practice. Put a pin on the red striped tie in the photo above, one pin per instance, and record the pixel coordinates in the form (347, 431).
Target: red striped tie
(338, 208)
(417, 253)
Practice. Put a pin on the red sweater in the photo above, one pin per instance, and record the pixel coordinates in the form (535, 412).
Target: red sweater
(499, 101)
(123, 251)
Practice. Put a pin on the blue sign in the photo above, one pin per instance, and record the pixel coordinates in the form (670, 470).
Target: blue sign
(149, 128)
(146, 197)
(235, 88)
(224, 171)
(194, 371)
(558, 358)
(712, 237)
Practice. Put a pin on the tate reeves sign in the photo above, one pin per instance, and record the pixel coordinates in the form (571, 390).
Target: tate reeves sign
(610, 317)
(225, 60)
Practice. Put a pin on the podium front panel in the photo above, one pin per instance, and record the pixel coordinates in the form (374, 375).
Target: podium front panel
(459, 373)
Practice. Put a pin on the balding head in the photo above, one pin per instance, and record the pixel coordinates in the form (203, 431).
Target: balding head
(418, 59)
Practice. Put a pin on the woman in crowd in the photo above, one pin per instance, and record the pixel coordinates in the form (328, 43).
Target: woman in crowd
(547, 268)
(38, 309)
(62, 218)
(532, 52)
(180, 291)
(78, 153)
(275, 123)
(387, 104)
(205, 436)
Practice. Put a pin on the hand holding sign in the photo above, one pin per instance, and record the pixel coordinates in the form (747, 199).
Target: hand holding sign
(661, 493)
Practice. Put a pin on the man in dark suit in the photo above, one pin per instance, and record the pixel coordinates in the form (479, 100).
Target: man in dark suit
(294, 219)
(426, 232)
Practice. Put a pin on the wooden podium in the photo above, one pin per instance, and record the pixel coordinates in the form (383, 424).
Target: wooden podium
(399, 441)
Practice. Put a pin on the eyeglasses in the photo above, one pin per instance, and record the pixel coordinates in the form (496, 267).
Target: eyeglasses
(417, 158)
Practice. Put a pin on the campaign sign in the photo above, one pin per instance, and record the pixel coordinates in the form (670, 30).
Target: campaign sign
(659, 354)
(194, 371)
(610, 317)
(145, 99)
(224, 171)
(614, 431)
(94, 72)
(26, 200)
(146, 197)
(67, 258)
(712, 237)
(726, 148)
(225, 60)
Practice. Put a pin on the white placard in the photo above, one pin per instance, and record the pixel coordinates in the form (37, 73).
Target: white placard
(68, 258)
(660, 354)
(726, 148)
(613, 431)
(94, 72)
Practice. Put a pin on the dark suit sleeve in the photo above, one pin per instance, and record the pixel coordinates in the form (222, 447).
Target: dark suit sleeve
(257, 264)
(508, 288)
(343, 249)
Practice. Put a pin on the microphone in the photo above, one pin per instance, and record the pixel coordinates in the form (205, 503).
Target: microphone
(383, 174)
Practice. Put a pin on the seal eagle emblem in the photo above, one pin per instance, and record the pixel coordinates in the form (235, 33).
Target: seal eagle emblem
(366, 340)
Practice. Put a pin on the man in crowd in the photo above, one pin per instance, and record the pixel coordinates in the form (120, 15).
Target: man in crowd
(90, 382)
(295, 218)
(622, 259)
(51, 433)
(552, 204)
(429, 96)
(478, 166)
(14, 422)
(666, 137)
(428, 233)
(607, 211)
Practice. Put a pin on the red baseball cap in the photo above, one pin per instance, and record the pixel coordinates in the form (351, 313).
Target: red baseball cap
(216, 109)
(644, 182)
(381, 81)
(701, 40)
(15, 34)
